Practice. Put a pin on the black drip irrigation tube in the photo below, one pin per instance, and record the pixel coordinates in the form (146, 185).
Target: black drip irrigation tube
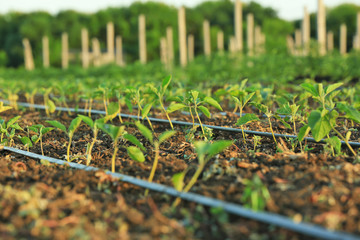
(265, 217)
(159, 120)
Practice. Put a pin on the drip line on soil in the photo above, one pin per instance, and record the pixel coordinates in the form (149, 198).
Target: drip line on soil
(159, 120)
(265, 217)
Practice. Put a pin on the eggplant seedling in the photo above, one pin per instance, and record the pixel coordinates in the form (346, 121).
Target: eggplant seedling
(75, 123)
(95, 129)
(205, 151)
(9, 128)
(156, 144)
(40, 130)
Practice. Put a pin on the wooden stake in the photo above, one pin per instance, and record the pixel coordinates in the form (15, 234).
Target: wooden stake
(357, 32)
(321, 27)
(96, 52)
(28, 57)
(64, 50)
(170, 44)
(343, 32)
(306, 32)
(206, 34)
(119, 52)
(142, 39)
(290, 44)
(257, 39)
(220, 41)
(330, 41)
(238, 26)
(182, 36)
(191, 47)
(232, 45)
(45, 52)
(250, 34)
(85, 48)
(163, 51)
(110, 41)
(298, 42)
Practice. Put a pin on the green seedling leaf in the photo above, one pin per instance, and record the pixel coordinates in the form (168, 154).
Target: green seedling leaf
(332, 88)
(145, 111)
(174, 107)
(135, 154)
(217, 147)
(178, 180)
(335, 143)
(283, 122)
(264, 109)
(135, 141)
(4, 108)
(237, 101)
(17, 127)
(194, 94)
(310, 88)
(351, 112)
(145, 131)
(87, 120)
(51, 106)
(46, 130)
(114, 131)
(75, 123)
(34, 129)
(249, 117)
(57, 125)
(129, 104)
(285, 110)
(321, 123)
(113, 111)
(35, 139)
(212, 102)
(12, 121)
(26, 141)
(205, 111)
(165, 83)
(166, 135)
(303, 132)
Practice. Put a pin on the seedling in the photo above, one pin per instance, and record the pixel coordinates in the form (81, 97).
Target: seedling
(75, 123)
(49, 104)
(30, 94)
(40, 130)
(9, 128)
(255, 194)
(193, 102)
(265, 110)
(160, 92)
(323, 95)
(156, 144)
(4, 108)
(205, 152)
(95, 129)
(257, 141)
(115, 133)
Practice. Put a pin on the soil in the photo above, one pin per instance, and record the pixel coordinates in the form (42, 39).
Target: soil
(39, 200)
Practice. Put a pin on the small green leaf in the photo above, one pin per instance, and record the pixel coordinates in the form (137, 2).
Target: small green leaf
(205, 111)
(178, 180)
(310, 88)
(321, 123)
(249, 117)
(135, 154)
(194, 94)
(26, 141)
(165, 83)
(304, 130)
(217, 147)
(113, 131)
(332, 88)
(335, 143)
(145, 111)
(145, 131)
(212, 102)
(113, 111)
(350, 111)
(35, 139)
(12, 121)
(166, 135)
(75, 123)
(17, 127)
(87, 120)
(135, 141)
(174, 107)
(57, 125)
(46, 130)
(51, 106)
(4, 108)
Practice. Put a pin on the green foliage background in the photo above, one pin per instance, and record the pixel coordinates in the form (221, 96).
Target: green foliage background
(15, 26)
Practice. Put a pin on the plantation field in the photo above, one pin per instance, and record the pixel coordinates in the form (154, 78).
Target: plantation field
(275, 134)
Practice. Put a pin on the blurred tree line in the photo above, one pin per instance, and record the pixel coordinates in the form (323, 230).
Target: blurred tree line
(15, 26)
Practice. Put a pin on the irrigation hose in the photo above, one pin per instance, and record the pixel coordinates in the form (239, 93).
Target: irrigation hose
(268, 218)
(182, 123)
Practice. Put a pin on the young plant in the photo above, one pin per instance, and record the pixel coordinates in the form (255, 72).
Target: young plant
(115, 133)
(94, 126)
(75, 123)
(8, 129)
(265, 109)
(48, 103)
(249, 117)
(323, 95)
(4, 108)
(156, 144)
(39, 130)
(205, 151)
(194, 103)
(256, 194)
(160, 92)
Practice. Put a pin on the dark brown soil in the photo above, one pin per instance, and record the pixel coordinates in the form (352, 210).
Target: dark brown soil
(55, 202)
